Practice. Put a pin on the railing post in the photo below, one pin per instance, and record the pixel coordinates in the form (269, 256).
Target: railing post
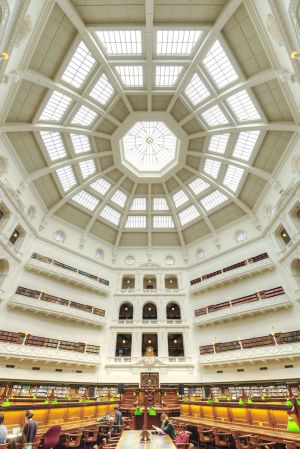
(240, 342)
(206, 306)
(230, 303)
(214, 347)
(258, 295)
(41, 295)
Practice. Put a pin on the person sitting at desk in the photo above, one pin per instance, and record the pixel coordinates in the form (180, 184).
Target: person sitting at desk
(166, 427)
(30, 429)
(3, 430)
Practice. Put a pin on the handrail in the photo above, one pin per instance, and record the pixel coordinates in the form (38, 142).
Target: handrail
(36, 294)
(279, 338)
(263, 294)
(68, 267)
(21, 338)
(245, 262)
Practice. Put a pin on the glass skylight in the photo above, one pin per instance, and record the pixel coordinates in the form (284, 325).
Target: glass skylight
(56, 107)
(66, 177)
(79, 67)
(131, 75)
(218, 143)
(85, 199)
(87, 168)
(136, 221)
(245, 144)
(81, 143)
(180, 198)
(167, 75)
(101, 186)
(232, 177)
(212, 167)
(196, 90)
(188, 215)
(160, 204)
(54, 145)
(139, 204)
(214, 116)
(162, 221)
(212, 200)
(84, 116)
(121, 42)
(219, 66)
(119, 198)
(243, 107)
(149, 146)
(111, 215)
(102, 91)
(176, 42)
(198, 186)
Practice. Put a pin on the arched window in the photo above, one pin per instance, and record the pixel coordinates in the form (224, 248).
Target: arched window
(169, 260)
(149, 311)
(200, 253)
(130, 260)
(99, 254)
(126, 311)
(173, 311)
(60, 236)
(240, 236)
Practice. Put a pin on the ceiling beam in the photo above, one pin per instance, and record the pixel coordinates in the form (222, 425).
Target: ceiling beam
(149, 6)
(124, 218)
(13, 127)
(176, 220)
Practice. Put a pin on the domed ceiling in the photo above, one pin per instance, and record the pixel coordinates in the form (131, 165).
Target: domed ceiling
(149, 123)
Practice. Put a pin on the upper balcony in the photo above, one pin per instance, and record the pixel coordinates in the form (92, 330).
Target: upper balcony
(259, 302)
(270, 347)
(130, 323)
(149, 291)
(53, 268)
(150, 362)
(40, 302)
(291, 246)
(26, 347)
(245, 268)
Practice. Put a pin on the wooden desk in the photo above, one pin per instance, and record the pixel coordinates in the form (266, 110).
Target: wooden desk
(130, 439)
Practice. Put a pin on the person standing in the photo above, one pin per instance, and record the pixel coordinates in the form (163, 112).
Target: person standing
(3, 430)
(30, 429)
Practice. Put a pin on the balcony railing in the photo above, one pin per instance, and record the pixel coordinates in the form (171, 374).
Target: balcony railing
(128, 360)
(75, 274)
(148, 291)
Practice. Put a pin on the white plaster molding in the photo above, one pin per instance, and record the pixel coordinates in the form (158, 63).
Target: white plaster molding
(149, 362)
(52, 309)
(149, 292)
(264, 353)
(176, 324)
(290, 247)
(242, 310)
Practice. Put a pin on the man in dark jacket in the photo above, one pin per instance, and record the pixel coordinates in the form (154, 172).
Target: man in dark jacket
(30, 429)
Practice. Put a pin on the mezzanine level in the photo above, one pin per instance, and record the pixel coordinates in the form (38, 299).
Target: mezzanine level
(260, 302)
(26, 347)
(281, 345)
(53, 268)
(40, 302)
(245, 268)
(149, 292)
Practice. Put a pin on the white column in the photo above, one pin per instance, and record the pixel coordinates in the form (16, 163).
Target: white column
(136, 346)
(162, 343)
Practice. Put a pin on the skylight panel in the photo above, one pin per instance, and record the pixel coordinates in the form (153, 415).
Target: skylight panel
(119, 198)
(218, 143)
(102, 91)
(212, 200)
(180, 198)
(188, 215)
(84, 116)
(167, 75)
(196, 90)
(66, 177)
(160, 204)
(243, 107)
(176, 42)
(219, 66)
(111, 215)
(232, 177)
(136, 221)
(163, 221)
(56, 107)
(138, 204)
(198, 186)
(54, 145)
(87, 168)
(81, 143)
(245, 144)
(101, 186)
(131, 75)
(85, 199)
(121, 42)
(214, 116)
(212, 167)
(79, 67)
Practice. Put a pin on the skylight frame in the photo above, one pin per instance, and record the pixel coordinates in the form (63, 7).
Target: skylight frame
(213, 200)
(198, 186)
(126, 71)
(136, 222)
(111, 215)
(214, 116)
(102, 90)
(196, 90)
(81, 143)
(119, 198)
(218, 143)
(233, 176)
(101, 186)
(160, 204)
(139, 203)
(188, 215)
(165, 36)
(66, 177)
(86, 200)
(87, 168)
(212, 167)
(84, 116)
(163, 76)
(54, 145)
(163, 222)
(243, 107)
(122, 37)
(180, 198)
(79, 67)
(55, 107)
(246, 144)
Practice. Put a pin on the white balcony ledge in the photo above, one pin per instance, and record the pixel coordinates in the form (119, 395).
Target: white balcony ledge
(223, 278)
(57, 310)
(149, 362)
(149, 323)
(264, 353)
(70, 277)
(242, 310)
(145, 291)
(11, 351)
(290, 247)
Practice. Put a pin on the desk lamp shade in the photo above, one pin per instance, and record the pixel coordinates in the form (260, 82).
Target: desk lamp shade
(292, 425)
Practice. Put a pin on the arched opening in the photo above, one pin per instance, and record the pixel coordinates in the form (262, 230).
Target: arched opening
(126, 311)
(295, 267)
(282, 236)
(149, 311)
(295, 215)
(4, 269)
(17, 237)
(4, 215)
(173, 311)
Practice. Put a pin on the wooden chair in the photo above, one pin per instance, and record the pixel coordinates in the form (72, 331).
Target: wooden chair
(258, 443)
(206, 436)
(241, 441)
(72, 439)
(288, 444)
(222, 439)
(3, 446)
(51, 438)
(90, 435)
